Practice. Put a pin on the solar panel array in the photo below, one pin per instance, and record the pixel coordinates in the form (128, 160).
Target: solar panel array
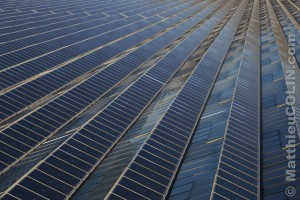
(82, 79)
(241, 149)
(165, 147)
(76, 99)
(114, 120)
(275, 87)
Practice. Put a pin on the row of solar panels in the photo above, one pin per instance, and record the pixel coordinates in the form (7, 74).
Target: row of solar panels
(42, 6)
(85, 148)
(44, 85)
(189, 102)
(285, 26)
(195, 177)
(80, 8)
(51, 18)
(38, 34)
(39, 153)
(273, 137)
(81, 34)
(35, 12)
(115, 119)
(109, 9)
(196, 174)
(293, 10)
(75, 43)
(242, 151)
(274, 177)
(117, 159)
(11, 6)
(59, 111)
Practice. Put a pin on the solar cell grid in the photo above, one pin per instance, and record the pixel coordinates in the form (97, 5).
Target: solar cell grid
(88, 46)
(61, 77)
(157, 156)
(153, 41)
(146, 99)
(234, 154)
(117, 130)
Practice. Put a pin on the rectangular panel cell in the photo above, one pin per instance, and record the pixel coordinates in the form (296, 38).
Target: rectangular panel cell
(50, 181)
(41, 189)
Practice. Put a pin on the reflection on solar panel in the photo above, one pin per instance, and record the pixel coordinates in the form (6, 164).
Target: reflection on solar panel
(147, 99)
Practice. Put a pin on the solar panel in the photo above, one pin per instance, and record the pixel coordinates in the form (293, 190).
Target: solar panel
(103, 124)
(242, 155)
(63, 111)
(147, 99)
(176, 132)
(69, 72)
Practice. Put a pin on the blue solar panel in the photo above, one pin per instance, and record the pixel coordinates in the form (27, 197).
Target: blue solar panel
(142, 92)
(174, 131)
